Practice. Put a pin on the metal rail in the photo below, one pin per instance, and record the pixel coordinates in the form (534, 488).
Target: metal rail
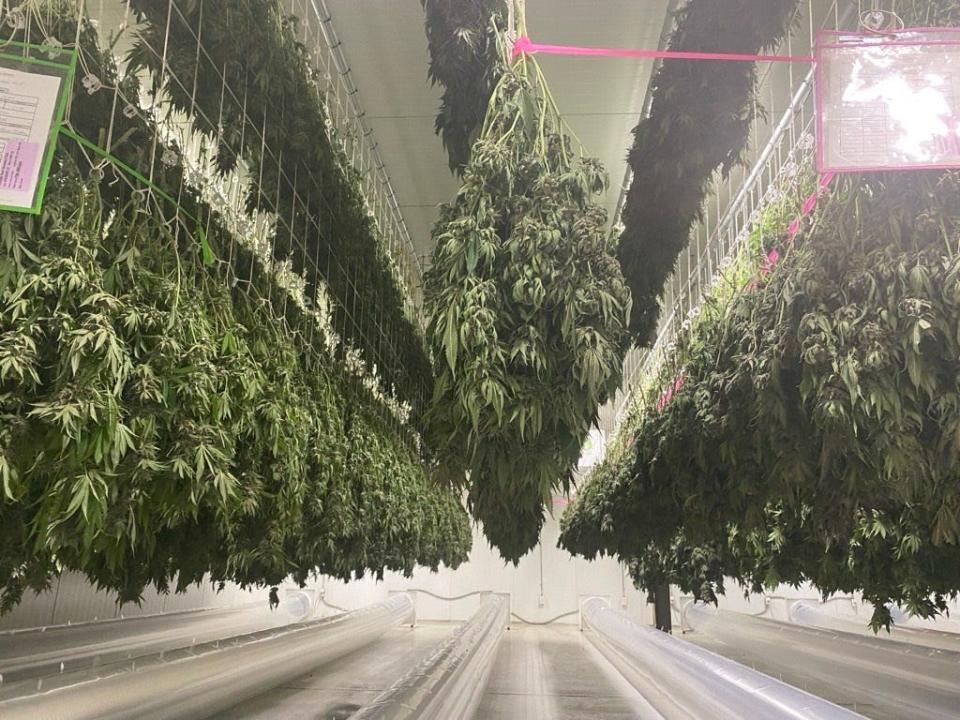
(812, 614)
(377, 183)
(29, 661)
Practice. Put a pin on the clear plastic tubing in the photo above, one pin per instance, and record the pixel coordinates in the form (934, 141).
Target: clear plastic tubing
(802, 612)
(42, 652)
(450, 682)
(682, 680)
(811, 615)
(201, 685)
(907, 680)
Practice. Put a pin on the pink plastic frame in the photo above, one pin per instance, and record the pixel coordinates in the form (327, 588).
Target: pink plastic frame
(884, 40)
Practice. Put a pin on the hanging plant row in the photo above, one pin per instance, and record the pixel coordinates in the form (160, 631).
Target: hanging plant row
(699, 121)
(527, 312)
(160, 424)
(465, 62)
(254, 88)
(815, 437)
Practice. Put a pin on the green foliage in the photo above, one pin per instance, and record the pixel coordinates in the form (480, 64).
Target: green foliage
(699, 120)
(160, 421)
(816, 435)
(157, 424)
(254, 89)
(527, 312)
(465, 62)
(696, 569)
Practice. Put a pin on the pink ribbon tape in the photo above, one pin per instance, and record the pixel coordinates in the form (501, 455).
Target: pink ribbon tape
(810, 203)
(525, 45)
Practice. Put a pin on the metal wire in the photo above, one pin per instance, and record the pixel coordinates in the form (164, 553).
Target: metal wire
(302, 190)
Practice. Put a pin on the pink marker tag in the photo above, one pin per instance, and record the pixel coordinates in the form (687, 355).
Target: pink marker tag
(18, 165)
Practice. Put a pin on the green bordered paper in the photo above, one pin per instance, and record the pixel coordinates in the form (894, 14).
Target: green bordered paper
(35, 85)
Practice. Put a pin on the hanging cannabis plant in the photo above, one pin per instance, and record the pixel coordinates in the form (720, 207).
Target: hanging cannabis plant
(699, 121)
(161, 423)
(465, 61)
(239, 68)
(157, 426)
(815, 436)
(527, 311)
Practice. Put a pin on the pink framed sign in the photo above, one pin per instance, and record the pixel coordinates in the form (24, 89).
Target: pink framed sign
(888, 102)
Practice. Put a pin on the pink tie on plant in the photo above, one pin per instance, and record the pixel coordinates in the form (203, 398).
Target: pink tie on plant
(522, 45)
(667, 395)
(771, 259)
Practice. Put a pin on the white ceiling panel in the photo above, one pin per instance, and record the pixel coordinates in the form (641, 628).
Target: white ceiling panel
(415, 160)
(420, 220)
(385, 45)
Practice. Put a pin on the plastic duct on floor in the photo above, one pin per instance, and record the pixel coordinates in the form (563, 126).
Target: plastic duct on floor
(684, 681)
(29, 658)
(449, 683)
(906, 680)
(803, 612)
(206, 679)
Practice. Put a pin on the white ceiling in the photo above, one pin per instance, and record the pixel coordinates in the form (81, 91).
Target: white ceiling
(385, 46)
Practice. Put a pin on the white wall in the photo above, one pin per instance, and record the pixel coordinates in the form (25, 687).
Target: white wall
(565, 582)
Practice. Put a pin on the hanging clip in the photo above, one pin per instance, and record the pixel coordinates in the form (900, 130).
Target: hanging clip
(91, 83)
(54, 47)
(879, 21)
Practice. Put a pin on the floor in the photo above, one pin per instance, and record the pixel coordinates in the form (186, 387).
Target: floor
(540, 673)
(337, 690)
(555, 673)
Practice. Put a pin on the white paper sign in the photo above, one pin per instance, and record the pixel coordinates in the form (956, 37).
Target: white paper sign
(28, 103)
(888, 102)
